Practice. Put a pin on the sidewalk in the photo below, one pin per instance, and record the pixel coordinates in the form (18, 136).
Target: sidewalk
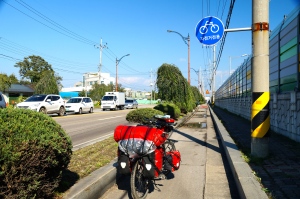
(280, 172)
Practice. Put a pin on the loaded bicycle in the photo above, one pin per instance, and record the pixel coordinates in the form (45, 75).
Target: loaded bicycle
(147, 153)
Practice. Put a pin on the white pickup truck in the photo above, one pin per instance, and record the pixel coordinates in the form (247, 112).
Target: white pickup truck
(113, 101)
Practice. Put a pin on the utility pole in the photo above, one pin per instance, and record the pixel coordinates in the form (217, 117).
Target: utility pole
(260, 114)
(201, 83)
(189, 66)
(100, 64)
(151, 85)
(213, 75)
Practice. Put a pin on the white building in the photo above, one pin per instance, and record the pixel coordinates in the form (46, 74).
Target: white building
(88, 79)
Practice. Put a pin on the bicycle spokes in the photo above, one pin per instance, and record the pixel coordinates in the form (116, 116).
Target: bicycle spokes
(139, 184)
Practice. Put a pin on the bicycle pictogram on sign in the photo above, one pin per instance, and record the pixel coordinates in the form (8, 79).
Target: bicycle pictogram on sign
(209, 30)
(214, 27)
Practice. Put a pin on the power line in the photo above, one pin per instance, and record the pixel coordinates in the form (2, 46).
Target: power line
(53, 22)
(225, 33)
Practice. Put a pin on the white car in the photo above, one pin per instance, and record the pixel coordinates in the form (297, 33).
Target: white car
(44, 103)
(3, 101)
(80, 105)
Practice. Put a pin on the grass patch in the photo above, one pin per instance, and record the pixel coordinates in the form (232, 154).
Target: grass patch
(92, 157)
(86, 160)
(192, 125)
(251, 159)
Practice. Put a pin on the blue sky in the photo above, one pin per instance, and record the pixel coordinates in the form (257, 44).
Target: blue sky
(64, 32)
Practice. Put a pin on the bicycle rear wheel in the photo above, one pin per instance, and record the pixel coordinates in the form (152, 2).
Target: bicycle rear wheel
(139, 184)
(169, 146)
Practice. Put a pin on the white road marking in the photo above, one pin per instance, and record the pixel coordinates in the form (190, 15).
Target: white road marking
(110, 118)
(75, 147)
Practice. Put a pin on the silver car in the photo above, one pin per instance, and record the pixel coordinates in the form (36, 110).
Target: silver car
(131, 103)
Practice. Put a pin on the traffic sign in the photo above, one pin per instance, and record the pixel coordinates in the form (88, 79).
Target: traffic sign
(209, 30)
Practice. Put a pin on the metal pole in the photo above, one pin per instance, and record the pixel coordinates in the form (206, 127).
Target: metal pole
(85, 88)
(188, 44)
(260, 116)
(189, 68)
(116, 75)
(151, 85)
(100, 61)
(199, 81)
(100, 64)
(229, 65)
(214, 73)
(117, 62)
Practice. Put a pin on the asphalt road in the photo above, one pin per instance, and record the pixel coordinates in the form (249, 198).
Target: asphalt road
(86, 129)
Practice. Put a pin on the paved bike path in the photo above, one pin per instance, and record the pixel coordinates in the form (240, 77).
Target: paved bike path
(202, 173)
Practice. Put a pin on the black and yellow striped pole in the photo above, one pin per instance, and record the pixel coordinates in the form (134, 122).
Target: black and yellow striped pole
(260, 114)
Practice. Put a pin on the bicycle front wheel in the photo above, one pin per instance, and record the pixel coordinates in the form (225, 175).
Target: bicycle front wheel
(139, 184)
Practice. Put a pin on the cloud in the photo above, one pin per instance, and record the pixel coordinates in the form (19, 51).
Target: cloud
(136, 83)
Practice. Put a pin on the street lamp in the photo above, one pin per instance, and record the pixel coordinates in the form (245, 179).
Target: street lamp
(230, 57)
(198, 72)
(117, 62)
(188, 44)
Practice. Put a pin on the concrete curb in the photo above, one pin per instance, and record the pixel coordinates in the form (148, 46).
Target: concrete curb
(246, 182)
(94, 185)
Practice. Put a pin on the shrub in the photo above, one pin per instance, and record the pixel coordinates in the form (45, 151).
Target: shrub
(34, 150)
(169, 108)
(142, 114)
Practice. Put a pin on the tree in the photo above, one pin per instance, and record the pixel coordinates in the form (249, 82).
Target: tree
(7, 81)
(13, 79)
(33, 68)
(81, 93)
(97, 91)
(197, 95)
(173, 87)
(47, 84)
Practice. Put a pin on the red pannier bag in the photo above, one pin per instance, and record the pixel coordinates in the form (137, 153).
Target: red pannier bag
(173, 159)
(158, 160)
(123, 132)
(138, 140)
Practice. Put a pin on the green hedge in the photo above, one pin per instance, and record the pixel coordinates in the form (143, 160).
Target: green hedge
(34, 150)
(141, 115)
(169, 108)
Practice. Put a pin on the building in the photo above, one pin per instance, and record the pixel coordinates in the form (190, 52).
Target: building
(88, 80)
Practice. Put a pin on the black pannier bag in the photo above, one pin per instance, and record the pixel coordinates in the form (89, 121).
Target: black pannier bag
(123, 163)
(149, 165)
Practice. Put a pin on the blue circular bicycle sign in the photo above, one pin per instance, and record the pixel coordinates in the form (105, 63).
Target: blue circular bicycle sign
(209, 30)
